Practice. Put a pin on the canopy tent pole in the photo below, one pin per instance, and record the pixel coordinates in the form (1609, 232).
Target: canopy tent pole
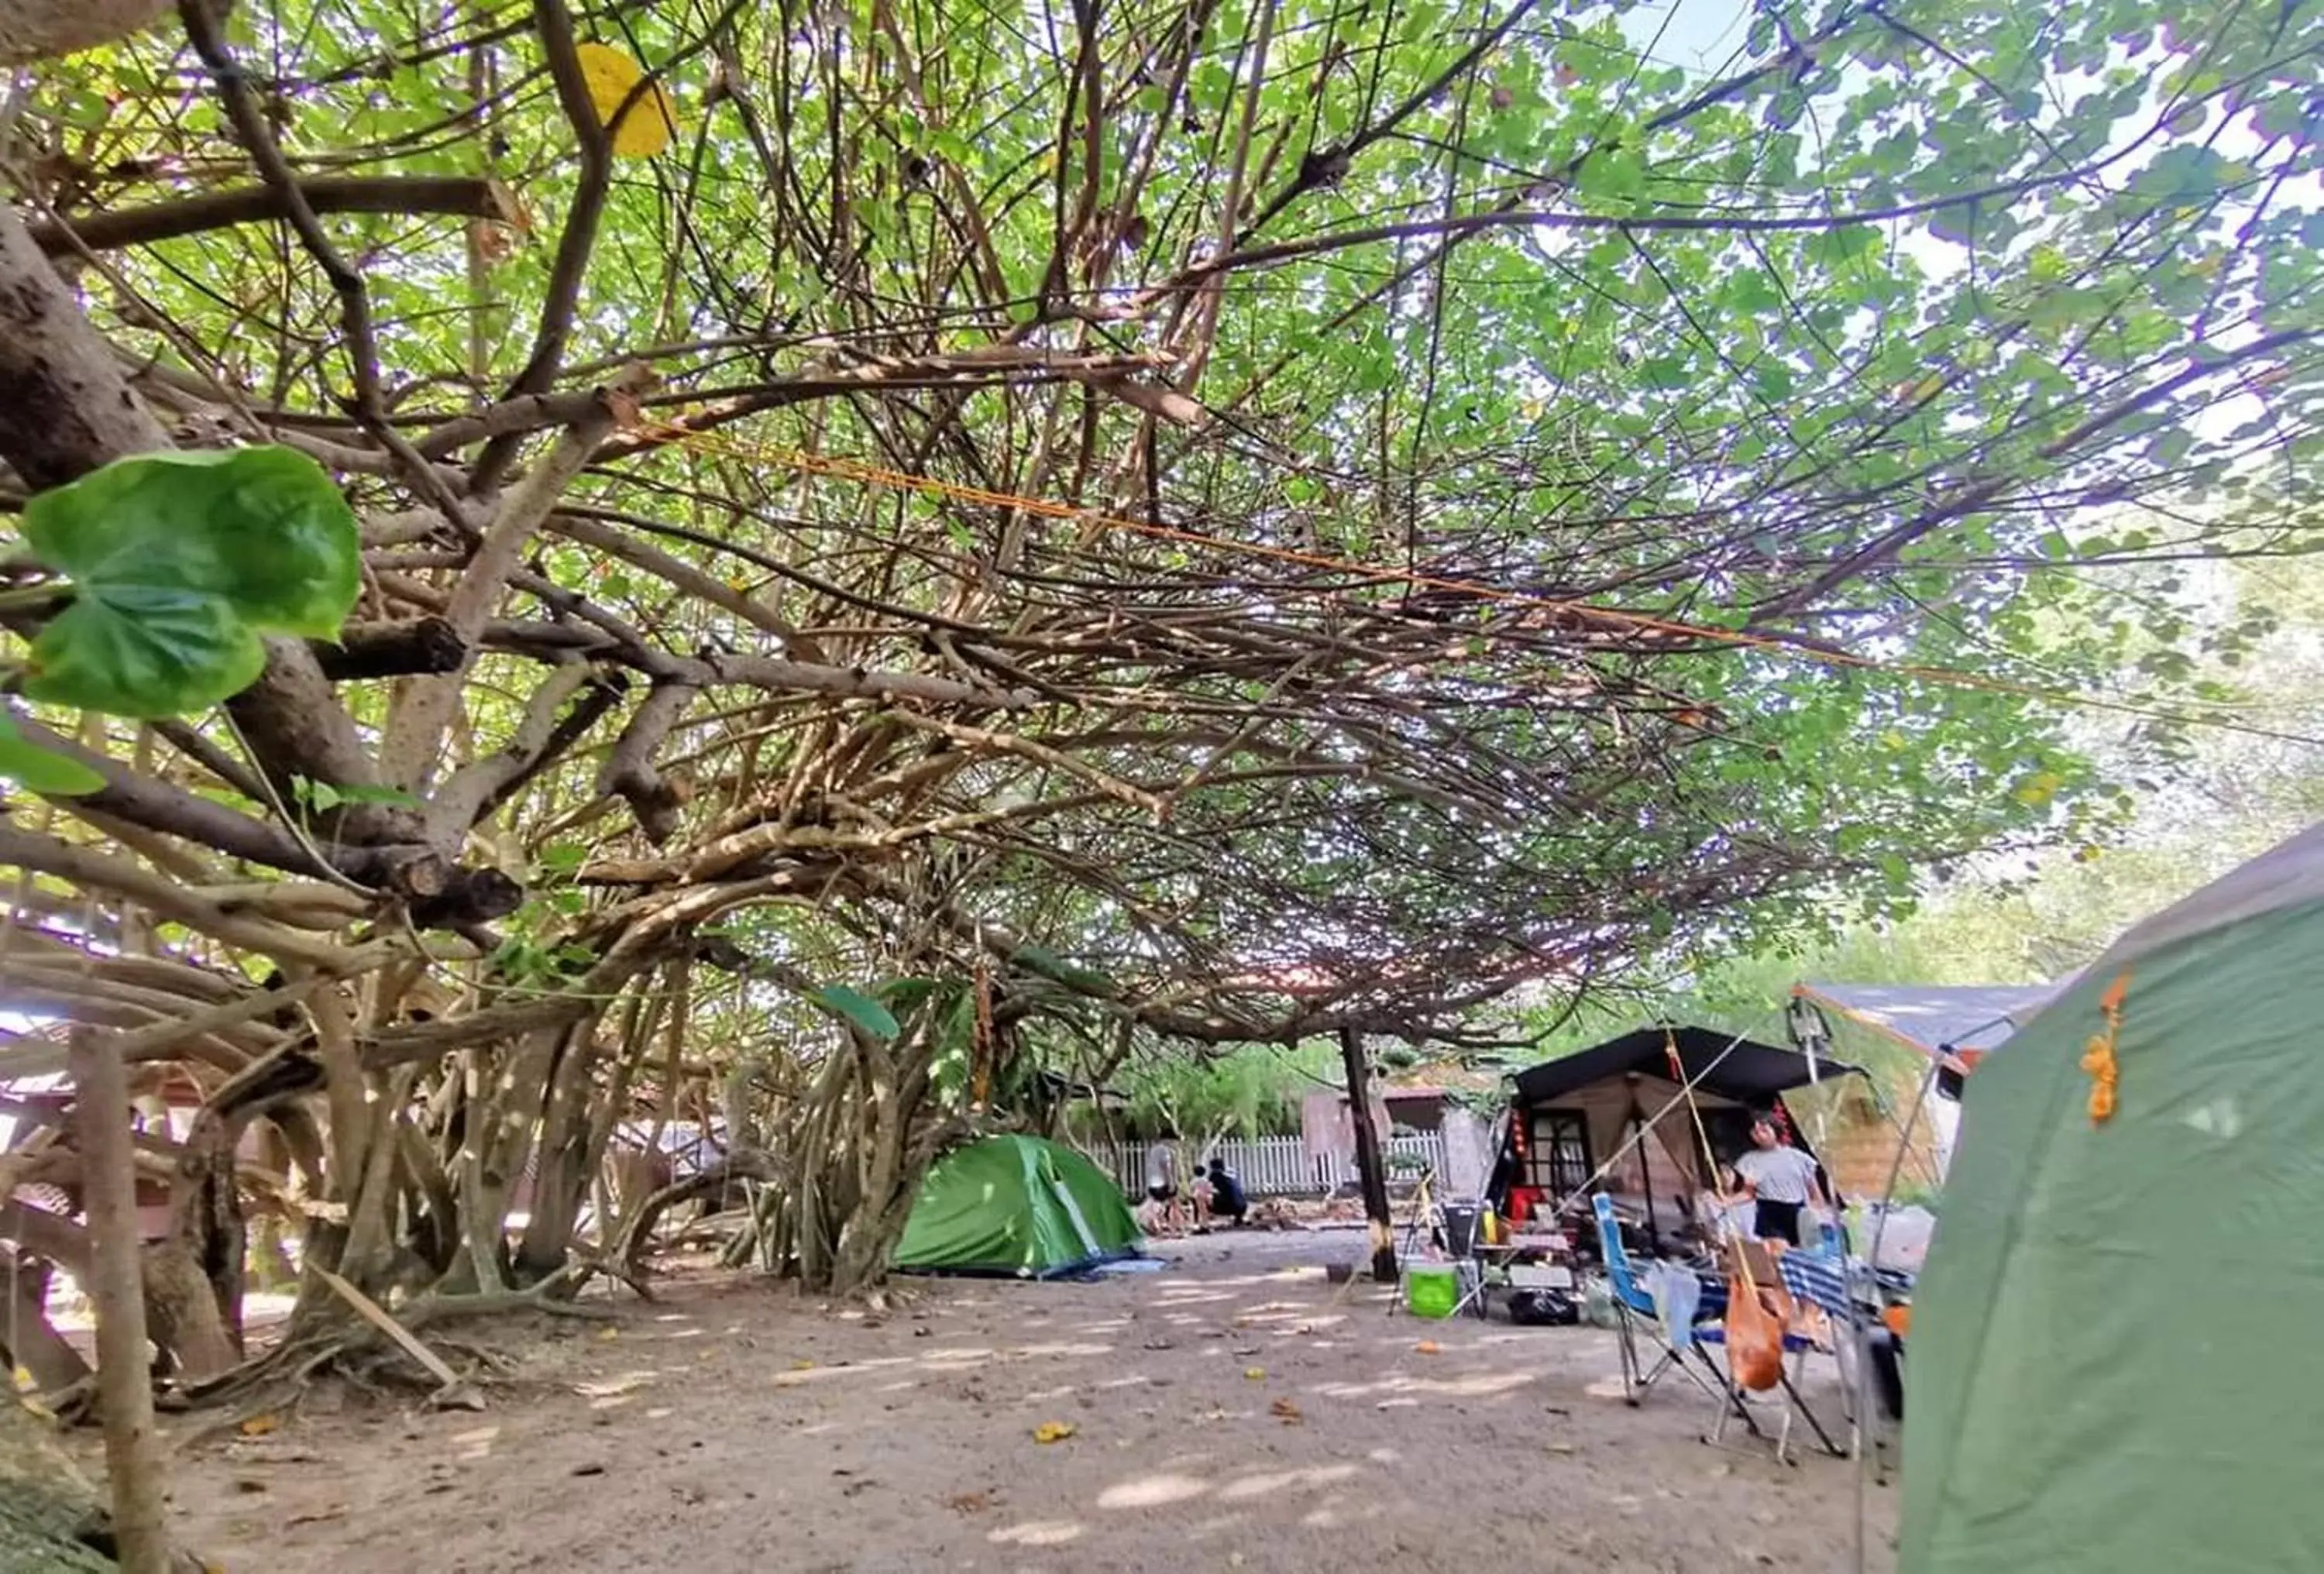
(1646, 1174)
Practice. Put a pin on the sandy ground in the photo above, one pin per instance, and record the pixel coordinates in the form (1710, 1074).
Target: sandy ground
(1231, 1412)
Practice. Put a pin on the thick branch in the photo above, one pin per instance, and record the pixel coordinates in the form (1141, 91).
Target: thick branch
(390, 194)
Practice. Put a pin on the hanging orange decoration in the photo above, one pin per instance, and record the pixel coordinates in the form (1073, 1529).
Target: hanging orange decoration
(647, 123)
(2099, 1055)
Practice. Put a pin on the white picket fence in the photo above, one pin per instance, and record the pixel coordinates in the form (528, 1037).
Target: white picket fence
(1273, 1166)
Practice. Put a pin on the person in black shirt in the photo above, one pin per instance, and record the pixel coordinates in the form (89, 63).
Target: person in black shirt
(1227, 1199)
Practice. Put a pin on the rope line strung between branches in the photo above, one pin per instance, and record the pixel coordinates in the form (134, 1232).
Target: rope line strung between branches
(869, 474)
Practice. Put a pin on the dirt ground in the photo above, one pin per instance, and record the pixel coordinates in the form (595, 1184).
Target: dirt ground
(1232, 1412)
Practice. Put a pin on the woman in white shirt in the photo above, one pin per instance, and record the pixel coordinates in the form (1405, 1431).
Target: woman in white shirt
(1780, 1180)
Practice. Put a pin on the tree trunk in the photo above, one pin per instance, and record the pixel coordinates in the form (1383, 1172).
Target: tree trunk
(206, 1218)
(181, 1315)
(1371, 1168)
(26, 1338)
(117, 1291)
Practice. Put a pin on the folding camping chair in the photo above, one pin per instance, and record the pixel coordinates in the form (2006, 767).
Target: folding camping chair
(1752, 1262)
(1634, 1309)
(1867, 1355)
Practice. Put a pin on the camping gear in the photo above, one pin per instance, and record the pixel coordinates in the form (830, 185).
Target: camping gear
(2104, 1344)
(1963, 1020)
(1015, 1205)
(1614, 1117)
(1542, 1309)
(1432, 1291)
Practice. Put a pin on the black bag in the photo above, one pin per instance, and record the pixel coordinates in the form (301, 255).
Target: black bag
(1542, 1309)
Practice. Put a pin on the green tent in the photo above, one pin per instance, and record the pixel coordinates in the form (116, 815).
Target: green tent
(1015, 1205)
(2110, 1364)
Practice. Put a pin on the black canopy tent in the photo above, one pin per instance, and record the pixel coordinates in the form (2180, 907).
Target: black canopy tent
(1592, 1120)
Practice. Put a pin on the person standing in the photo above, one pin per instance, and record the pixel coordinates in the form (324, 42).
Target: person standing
(1780, 1180)
(1162, 1182)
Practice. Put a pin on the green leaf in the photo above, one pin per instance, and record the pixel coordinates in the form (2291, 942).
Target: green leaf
(42, 770)
(393, 797)
(262, 529)
(143, 650)
(564, 857)
(859, 1009)
(1616, 173)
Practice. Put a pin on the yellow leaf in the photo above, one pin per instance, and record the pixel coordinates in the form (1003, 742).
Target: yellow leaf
(1254, 1373)
(2037, 790)
(802, 1364)
(1053, 1432)
(647, 126)
(609, 1333)
(258, 1426)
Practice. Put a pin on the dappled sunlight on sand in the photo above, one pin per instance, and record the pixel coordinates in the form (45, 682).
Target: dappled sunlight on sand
(1170, 1486)
(1038, 1533)
(1195, 1424)
(1311, 1477)
(1152, 1492)
(1482, 1385)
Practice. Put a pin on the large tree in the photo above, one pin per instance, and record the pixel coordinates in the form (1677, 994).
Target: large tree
(897, 540)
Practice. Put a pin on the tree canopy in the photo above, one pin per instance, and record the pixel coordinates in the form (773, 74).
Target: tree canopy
(894, 535)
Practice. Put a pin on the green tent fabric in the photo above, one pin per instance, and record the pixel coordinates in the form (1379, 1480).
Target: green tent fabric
(1015, 1205)
(2112, 1363)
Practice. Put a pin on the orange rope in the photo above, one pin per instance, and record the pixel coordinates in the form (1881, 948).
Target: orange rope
(868, 474)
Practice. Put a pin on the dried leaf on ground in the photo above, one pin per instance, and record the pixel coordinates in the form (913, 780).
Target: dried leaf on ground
(1053, 1432)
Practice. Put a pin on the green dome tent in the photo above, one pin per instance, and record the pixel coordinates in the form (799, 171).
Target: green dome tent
(1015, 1205)
(2109, 1362)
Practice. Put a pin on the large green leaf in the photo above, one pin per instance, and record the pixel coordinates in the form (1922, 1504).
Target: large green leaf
(859, 1009)
(262, 529)
(145, 650)
(41, 769)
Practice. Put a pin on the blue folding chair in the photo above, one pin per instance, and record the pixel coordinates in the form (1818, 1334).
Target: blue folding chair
(1634, 1310)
